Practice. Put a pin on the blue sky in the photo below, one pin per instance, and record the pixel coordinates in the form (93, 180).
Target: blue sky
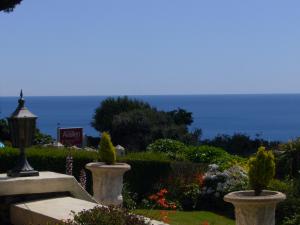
(150, 47)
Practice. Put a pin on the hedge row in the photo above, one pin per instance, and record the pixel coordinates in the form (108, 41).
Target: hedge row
(147, 168)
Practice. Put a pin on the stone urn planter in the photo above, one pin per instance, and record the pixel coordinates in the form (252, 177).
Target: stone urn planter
(255, 210)
(108, 182)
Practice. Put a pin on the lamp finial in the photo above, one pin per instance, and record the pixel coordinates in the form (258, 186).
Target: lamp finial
(21, 100)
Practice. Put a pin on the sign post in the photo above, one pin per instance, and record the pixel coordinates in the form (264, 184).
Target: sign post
(71, 136)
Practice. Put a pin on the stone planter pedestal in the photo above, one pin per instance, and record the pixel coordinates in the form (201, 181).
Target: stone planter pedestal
(255, 210)
(108, 182)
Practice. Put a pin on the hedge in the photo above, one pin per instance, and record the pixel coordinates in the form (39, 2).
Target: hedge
(147, 168)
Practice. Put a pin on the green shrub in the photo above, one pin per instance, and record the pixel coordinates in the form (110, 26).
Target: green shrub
(107, 151)
(287, 209)
(152, 168)
(172, 148)
(212, 155)
(166, 146)
(150, 156)
(129, 198)
(293, 220)
(149, 172)
(287, 163)
(149, 167)
(102, 215)
(282, 186)
(261, 170)
(49, 159)
(206, 154)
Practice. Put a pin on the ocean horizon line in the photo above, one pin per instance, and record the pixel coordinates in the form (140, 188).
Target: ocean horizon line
(141, 95)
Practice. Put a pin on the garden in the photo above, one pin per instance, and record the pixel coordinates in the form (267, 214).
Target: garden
(177, 183)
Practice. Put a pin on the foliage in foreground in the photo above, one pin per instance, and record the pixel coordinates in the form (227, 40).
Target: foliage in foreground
(102, 215)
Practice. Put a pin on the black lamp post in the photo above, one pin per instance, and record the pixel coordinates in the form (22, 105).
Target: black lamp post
(22, 127)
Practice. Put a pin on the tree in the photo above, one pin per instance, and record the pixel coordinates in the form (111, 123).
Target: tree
(133, 129)
(135, 124)
(4, 130)
(110, 107)
(8, 5)
(39, 137)
(181, 116)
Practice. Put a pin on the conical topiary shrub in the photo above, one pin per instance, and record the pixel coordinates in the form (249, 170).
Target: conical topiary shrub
(107, 151)
(261, 170)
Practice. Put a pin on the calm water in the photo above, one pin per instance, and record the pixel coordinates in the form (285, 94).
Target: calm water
(275, 117)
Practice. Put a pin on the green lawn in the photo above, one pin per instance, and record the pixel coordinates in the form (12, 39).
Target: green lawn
(187, 218)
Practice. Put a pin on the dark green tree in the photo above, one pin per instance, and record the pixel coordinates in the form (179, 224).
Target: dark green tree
(240, 144)
(4, 130)
(181, 116)
(135, 124)
(110, 107)
(8, 5)
(39, 137)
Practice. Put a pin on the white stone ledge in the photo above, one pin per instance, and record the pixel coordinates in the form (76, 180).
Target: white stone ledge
(49, 211)
(52, 211)
(46, 182)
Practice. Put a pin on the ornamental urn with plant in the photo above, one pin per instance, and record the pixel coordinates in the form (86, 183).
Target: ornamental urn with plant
(257, 207)
(261, 170)
(107, 174)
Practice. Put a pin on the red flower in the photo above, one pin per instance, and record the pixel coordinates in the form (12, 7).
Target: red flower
(153, 197)
(200, 179)
(160, 199)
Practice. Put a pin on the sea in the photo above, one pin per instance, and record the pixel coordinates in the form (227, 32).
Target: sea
(274, 117)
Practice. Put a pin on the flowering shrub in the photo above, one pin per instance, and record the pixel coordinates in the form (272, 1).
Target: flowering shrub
(102, 215)
(218, 183)
(160, 201)
(82, 178)
(184, 185)
(129, 197)
(69, 165)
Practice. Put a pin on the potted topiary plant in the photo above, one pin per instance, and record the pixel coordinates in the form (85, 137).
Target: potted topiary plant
(257, 206)
(107, 174)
